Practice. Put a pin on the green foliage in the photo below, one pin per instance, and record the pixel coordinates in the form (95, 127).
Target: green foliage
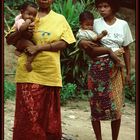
(83, 94)
(68, 91)
(74, 67)
(70, 11)
(9, 90)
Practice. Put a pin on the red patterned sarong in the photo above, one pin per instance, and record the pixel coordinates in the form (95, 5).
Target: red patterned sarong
(106, 84)
(37, 113)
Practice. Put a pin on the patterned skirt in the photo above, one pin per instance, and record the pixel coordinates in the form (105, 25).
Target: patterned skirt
(105, 82)
(37, 113)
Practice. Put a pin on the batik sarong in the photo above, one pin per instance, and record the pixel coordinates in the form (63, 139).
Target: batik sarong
(37, 113)
(105, 81)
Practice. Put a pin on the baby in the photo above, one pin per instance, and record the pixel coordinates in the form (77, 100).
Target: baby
(86, 20)
(28, 13)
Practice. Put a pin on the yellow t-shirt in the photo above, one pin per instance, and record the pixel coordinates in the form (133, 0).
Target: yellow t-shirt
(46, 65)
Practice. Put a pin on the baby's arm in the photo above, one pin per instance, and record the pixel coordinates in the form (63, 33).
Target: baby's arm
(101, 35)
(24, 41)
(25, 25)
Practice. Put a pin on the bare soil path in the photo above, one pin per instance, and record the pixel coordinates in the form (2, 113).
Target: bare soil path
(76, 122)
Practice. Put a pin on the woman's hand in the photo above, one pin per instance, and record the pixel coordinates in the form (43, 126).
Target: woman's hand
(128, 81)
(31, 50)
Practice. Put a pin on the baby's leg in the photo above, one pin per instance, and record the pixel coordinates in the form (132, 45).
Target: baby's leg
(29, 62)
(22, 44)
(116, 59)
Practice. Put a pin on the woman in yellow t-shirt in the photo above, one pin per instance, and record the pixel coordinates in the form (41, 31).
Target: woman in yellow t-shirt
(37, 114)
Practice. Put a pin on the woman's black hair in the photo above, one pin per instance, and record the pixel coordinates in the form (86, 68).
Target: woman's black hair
(26, 4)
(85, 16)
(114, 4)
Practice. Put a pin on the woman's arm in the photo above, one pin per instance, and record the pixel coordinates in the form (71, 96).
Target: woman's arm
(92, 49)
(54, 47)
(126, 57)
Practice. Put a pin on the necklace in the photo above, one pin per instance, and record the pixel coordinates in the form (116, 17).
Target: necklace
(112, 21)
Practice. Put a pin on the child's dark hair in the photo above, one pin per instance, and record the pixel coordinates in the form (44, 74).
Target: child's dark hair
(26, 4)
(86, 15)
(114, 4)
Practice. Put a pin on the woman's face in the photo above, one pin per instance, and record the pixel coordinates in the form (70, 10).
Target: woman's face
(44, 3)
(105, 9)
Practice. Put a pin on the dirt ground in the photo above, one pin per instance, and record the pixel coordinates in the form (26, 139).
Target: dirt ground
(76, 123)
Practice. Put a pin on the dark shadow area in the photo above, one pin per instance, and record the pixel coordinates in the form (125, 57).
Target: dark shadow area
(128, 3)
(1, 74)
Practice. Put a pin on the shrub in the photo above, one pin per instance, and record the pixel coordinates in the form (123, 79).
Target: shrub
(9, 90)
(68, 91)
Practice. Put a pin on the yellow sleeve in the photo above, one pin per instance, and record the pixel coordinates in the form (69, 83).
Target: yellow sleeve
(67, 34)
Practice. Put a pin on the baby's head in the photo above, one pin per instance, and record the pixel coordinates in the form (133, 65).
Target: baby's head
(86, 20)
(29, 10)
